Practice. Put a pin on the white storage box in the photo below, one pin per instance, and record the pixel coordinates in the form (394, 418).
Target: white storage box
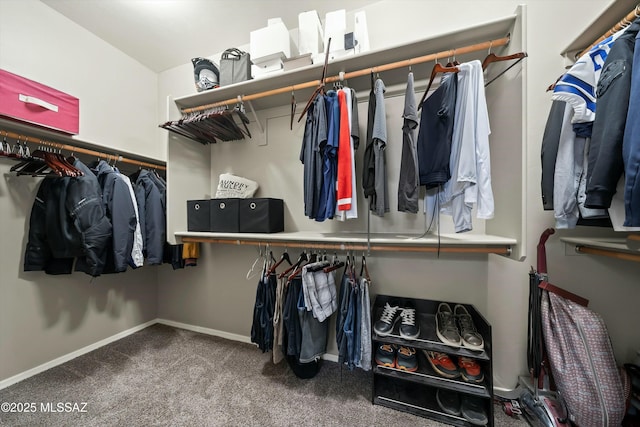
(335, 27)
(270, 42)
(310, 33)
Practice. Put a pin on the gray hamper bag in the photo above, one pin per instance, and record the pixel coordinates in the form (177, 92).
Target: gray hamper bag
(235, 66)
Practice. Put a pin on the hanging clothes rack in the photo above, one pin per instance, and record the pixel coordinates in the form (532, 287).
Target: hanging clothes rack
(75, 149)
(358, 73)
(623, 23)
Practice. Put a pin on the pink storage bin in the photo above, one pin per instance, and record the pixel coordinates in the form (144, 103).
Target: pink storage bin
(34, 103)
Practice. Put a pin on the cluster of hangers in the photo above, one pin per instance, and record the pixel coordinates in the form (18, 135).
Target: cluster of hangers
(450, 67)
(43, 161)
(321, 261)
(621, 25)
(18, 150)
(211, 126)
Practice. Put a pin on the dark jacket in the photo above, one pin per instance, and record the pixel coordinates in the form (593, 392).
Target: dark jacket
(152, 214)
(67, 221)
(118, 205)
(605, 153)
(550, 141)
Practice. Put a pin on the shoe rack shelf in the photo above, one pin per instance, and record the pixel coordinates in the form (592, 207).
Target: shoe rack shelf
(415, 392)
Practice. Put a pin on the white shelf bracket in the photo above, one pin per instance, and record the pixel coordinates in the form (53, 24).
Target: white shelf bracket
(262, 137)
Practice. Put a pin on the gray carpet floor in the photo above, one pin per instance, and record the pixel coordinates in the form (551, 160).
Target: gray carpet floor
(172, 377)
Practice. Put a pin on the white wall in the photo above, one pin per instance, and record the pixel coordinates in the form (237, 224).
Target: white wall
(44, 317)
(497, 286)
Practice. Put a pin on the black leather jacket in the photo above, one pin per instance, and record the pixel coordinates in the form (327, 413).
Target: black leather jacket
(68, 221)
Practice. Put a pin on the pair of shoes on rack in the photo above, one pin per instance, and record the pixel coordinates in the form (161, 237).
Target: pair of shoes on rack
(456, 328)
(409, 328)
(467, 368)
(469, 407)
(399, 357)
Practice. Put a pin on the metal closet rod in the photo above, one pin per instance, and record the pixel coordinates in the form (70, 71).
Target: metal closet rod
(624, 22)
(504, 250)
(363, 72)
(73, 148)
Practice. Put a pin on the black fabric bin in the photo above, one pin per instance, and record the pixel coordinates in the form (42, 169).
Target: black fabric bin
(261, 215)
(198, 215)
(225, 215)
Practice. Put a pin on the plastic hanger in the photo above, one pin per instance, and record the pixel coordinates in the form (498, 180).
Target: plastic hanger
(293, 109)
(298, 268)
(301, 259)
(320, 88)
(437, 68)
(335, 264)
(251, 273)
(284, 257)
(4, 146)
(493, 58)
(363, 268)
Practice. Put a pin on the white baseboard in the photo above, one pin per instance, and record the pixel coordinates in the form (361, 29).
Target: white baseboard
(62, 359)
(227, 335)
(206, 331)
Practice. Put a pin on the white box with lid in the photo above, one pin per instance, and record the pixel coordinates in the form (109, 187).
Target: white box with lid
(270, 42)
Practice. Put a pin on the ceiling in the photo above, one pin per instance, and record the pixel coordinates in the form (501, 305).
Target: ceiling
(163, 34)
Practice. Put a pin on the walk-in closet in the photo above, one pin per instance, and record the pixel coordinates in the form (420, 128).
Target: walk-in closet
(313, 212)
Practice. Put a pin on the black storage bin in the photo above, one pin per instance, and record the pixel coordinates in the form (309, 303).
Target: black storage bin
(264, 215)
(198, 215)
(225, 215)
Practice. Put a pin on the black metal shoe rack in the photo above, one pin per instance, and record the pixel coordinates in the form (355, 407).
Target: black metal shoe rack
(415, 392)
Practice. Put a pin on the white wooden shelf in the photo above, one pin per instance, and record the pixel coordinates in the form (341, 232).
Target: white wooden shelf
(608, 18)
(478, 33)
(456, 243)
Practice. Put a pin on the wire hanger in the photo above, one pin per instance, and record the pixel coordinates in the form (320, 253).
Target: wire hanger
(494, 58)
(437, 68)
(251, 273)
(364, 269)
(453, 63)
(320, 88)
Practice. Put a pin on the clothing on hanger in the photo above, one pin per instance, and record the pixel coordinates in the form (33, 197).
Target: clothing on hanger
(68, 221)
(150, 191)
(315, 136)
(369, 165)
(379, 204)
(470, 160)
(408, 184)
(344, 181)
(119, 208)
(329, 150)
(354, 134)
